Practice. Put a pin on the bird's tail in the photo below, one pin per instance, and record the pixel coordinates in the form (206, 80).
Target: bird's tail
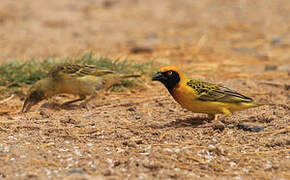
(130, 75)
(257, 104)
(101, 72)
(112, 79)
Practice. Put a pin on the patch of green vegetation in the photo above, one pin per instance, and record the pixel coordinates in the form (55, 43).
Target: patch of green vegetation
(18, 74)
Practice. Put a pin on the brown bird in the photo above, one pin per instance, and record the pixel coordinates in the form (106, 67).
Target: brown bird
(81, 80)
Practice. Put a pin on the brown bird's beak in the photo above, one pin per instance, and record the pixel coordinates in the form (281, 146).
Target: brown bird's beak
(28, 103)
(158, 77)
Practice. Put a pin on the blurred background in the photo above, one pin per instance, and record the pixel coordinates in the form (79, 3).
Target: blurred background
(142, 133)
(62, 28)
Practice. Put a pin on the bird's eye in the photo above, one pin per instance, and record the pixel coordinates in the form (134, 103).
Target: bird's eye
(169, 73)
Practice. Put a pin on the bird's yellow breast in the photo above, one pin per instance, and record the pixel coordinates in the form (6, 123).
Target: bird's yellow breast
(188, 99)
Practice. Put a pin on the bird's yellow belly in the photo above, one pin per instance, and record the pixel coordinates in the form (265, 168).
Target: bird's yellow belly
(198, 106)
(86, 85)
(190, 102)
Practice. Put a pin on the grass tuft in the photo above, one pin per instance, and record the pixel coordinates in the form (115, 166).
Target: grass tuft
(16, 76)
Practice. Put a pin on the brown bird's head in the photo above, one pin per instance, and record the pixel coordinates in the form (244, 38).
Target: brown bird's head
(169, 76)
(34, 96)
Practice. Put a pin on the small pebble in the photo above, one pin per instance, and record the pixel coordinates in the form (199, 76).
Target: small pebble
(270, 68)
(72, 171)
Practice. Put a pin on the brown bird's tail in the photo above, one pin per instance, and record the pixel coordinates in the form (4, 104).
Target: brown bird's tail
(130, 75)
(112, 79)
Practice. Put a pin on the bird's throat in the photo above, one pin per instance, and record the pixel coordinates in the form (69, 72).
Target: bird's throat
(170, 87)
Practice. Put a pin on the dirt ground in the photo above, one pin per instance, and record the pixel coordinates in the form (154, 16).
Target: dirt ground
(143, 133)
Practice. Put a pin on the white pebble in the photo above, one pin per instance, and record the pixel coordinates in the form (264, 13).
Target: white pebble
(233, 164)
(167, 149)
(69, 159)
(212, 146)
(77, 152)
(90, 144)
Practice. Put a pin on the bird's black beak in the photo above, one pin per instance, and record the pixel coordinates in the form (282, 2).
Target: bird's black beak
(158, 77)
(27, 105)
(29, 102)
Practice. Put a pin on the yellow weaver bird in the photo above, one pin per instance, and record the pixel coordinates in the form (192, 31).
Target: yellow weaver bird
(202, 97)
(81, 80)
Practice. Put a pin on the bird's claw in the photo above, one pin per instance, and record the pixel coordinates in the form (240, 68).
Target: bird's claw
(84, 105)
(65, 105)
(213, 124)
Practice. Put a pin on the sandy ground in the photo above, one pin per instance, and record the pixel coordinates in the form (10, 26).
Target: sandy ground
(142, 133)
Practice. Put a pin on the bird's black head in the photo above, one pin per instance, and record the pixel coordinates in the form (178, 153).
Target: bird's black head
(169, 77)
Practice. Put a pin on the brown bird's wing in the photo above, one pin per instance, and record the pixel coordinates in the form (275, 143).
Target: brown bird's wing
(76, 70)
(211, 92)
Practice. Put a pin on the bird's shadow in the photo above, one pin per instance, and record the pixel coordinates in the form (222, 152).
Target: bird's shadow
(58, 106)
(193, 122)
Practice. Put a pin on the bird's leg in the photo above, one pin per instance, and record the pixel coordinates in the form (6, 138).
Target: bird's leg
(215, 122)
(211, 121)
(66, 104)
(226, 111)
(210, 117)
(84, 104)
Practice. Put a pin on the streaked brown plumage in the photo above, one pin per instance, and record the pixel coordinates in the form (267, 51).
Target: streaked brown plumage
(81, 80)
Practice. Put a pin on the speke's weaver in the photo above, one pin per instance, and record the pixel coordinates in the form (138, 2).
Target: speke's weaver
(202, 97)
(81, 80)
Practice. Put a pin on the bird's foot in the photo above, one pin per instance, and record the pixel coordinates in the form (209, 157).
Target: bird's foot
(207, 124)
(50, 105)
(68, 106)
(84, 105)
(214, 124)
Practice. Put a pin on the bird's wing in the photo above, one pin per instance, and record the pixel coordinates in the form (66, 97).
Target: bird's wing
(77, 70)
(211, 92)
